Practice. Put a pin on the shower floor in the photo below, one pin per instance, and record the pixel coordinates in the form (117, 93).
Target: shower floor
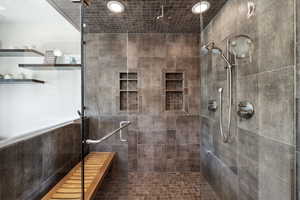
(156, 186)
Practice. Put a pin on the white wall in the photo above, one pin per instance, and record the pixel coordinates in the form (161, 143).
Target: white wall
(31, 107)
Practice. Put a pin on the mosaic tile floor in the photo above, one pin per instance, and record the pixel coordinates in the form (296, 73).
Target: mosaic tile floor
(157, 186)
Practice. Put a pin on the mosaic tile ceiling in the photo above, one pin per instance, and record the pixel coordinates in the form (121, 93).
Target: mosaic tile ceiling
(140, 16)
(71, 11)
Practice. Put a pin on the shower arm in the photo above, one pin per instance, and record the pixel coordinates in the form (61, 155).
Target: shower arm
(162, 13)
(123, 125)
(229, 65)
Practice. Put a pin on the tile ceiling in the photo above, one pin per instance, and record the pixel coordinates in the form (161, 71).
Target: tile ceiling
(140, 16)
(71, 11)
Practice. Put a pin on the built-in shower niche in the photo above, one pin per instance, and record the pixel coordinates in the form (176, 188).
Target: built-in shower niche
(174, 91)
(128, 91)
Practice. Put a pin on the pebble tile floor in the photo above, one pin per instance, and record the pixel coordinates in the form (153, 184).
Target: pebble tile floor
(156, 186)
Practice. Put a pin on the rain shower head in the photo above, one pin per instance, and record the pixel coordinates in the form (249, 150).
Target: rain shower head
(211, 47)
(204, 50)
(215, 50)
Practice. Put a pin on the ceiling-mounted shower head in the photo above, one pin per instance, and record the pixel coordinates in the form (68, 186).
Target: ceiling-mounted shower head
(162, 18)
(162, 13)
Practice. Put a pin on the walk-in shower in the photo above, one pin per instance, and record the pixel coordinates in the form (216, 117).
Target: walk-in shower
(173, 96)
(211, 47)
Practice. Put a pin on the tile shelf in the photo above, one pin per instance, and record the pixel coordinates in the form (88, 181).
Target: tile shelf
(20, 81)
(128, 90)
(20, 53)
(174, 90)
(167, 79)
(51, 66)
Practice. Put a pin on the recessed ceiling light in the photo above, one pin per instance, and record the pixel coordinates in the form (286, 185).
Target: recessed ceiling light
(201, 7)
(115, 6)
(2, 8)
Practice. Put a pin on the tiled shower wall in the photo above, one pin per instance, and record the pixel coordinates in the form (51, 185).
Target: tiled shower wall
(259, 163)
(30, 167)
(298, 98)
(158, 140)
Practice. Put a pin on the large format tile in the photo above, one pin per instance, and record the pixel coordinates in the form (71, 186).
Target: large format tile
(297, 179)
(247, 90)
(248, 178)
(112, 45)
(276, 35)
(188, 128)
(262, 154)
(152, 137)
(212, 170)
(229, 184)
(248, 145)
(248, 168)
(155, 144)
(146, 45)
(92, 45)
(277, 159)
(182, 45)
(273, 188)
(29, 168)
(32, 165)
(145, 158)
(263, 161)
(11, 171)
(276, 105)
(206, 134)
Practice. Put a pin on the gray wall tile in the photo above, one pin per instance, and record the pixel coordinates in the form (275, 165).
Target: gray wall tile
(276, 105)
(259, 163)
(247, 90)
(275, 35)
(29, 168)
(155, 135)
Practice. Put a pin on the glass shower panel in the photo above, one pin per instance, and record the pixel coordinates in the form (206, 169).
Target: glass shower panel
(259, 42)
(111, 94)
(39, 96)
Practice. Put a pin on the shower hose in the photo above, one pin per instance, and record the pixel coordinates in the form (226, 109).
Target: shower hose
(226, 137)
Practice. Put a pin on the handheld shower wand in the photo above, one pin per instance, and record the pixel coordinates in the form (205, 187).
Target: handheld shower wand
(215, 50)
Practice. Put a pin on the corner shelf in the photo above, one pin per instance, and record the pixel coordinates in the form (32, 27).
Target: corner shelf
(20, 81)
(20, 53)
(51, 66)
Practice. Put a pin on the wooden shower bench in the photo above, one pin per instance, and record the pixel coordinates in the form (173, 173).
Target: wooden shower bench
(97, 165)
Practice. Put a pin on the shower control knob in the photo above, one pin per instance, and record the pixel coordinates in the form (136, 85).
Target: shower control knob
(245, 110)
(212, 105)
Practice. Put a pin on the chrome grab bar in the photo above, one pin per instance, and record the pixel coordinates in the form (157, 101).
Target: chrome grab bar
(123, 125)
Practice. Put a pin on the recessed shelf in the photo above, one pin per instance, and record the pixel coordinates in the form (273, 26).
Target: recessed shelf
(124, 79)
(51, 66)
(20, 81)
(174, 90)
(128, 91)
(20, 53)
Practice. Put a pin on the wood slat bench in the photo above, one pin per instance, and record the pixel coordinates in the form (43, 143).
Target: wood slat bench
(96, 167)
